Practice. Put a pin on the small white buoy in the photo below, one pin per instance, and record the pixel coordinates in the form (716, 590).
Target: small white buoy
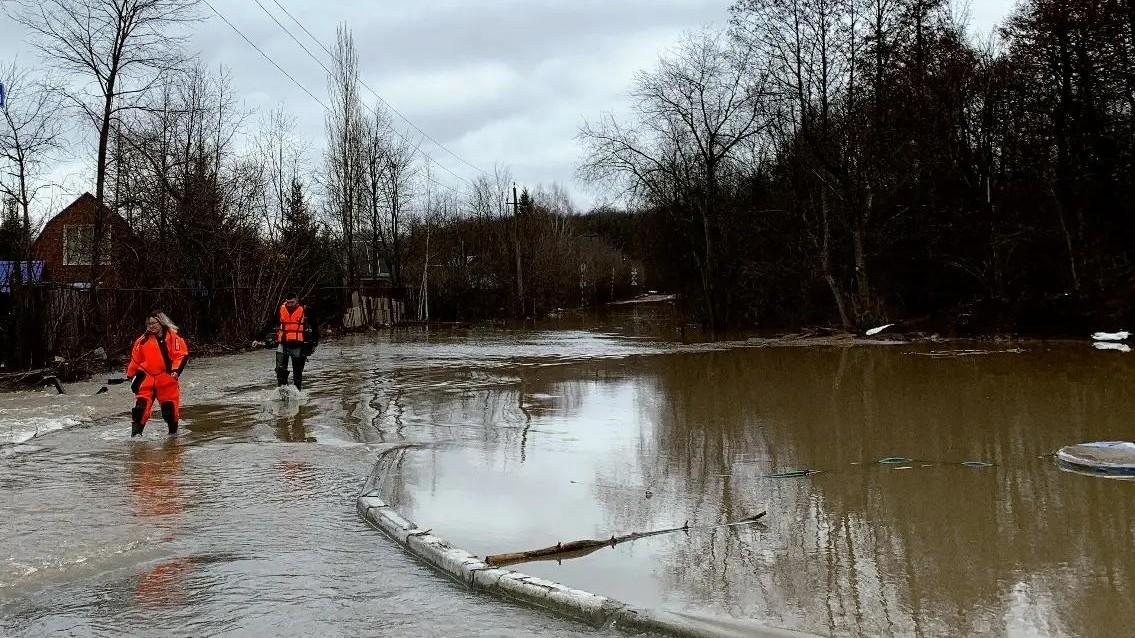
(1111, 336)
(874, 331)
(1111, 345)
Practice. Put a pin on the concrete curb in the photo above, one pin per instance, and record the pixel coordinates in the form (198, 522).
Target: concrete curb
(595, 610)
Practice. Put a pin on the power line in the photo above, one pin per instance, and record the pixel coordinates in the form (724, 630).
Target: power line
(305, 90)
(305, 49)
(429, 157)
(373, 111)
(265, 55)
(379, 97)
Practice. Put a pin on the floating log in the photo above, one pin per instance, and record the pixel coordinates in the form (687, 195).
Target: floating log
(580, 548)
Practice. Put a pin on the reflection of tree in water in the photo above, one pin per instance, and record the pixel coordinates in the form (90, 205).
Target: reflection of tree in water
(480, 408)
(867, 548)
(500, 409)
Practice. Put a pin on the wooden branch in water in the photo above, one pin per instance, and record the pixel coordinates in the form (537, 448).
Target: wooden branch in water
(580, 548)
(26, 376)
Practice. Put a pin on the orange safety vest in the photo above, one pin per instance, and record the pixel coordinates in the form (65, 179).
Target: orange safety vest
(291, 325)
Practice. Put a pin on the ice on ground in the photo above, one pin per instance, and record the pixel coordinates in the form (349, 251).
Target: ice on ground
(1111, 336)
(1110, 345)
(874, 331)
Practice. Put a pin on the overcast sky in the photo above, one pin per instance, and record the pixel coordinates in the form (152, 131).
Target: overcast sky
(504, 82)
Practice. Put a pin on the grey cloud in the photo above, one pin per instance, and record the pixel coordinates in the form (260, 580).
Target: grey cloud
(505, 81)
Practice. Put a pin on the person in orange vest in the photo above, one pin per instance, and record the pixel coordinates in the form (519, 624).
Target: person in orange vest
(296, 338)
(156, 362)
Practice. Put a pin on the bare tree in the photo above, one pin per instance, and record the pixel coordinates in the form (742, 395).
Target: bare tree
(493, 240)
(488, 196)
(116, 50)
(282, 154)
(30, 135)
(392, 175)
(810, 46)
(696, 114)
(345, 160)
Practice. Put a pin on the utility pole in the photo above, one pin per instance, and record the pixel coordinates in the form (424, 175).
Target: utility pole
(424, 300)
(516, 250)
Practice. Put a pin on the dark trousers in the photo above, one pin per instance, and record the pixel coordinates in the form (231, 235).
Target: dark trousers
(295, 353)
(162, 389)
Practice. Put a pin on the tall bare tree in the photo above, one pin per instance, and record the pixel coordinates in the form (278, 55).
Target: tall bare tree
(344, 178)
(30, 135)
(696, 118)
(114, 50)
(282, 153)
(810, 49)
(392, 180)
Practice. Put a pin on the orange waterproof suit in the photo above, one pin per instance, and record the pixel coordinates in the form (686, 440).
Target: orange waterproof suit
(152, 360)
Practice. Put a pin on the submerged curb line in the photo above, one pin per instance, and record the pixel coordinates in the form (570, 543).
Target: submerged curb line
(595, 610)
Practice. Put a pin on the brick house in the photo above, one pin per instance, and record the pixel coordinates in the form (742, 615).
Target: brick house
(65, 244)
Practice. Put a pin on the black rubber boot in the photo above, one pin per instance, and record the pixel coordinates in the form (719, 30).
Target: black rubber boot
(168, 413)
(136, 424)
(281, 368)
(297, 371)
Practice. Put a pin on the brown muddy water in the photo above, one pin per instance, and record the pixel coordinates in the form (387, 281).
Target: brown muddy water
(246, 524)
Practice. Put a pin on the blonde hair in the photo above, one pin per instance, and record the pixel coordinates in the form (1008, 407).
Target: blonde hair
(164, 319)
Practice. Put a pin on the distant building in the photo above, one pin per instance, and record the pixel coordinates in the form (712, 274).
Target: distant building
(65, 245)
(376, 302)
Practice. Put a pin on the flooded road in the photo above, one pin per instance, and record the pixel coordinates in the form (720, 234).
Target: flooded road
(968, 529)
(246, 524)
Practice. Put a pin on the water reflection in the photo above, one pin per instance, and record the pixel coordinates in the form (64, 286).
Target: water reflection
(155, 482)
(292, 558)
(292, 428)
(164, 584)
(157, 499)
(928, 548)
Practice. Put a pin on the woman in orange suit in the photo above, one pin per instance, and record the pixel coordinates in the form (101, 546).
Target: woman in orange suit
(156, 363)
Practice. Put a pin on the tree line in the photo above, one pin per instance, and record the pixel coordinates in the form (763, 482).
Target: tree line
(817, 162)
(854, 162)
(230, 207)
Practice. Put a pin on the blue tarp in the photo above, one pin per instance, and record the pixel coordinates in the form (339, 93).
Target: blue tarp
(30, 272)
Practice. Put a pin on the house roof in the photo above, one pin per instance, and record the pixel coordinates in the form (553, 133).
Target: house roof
(87, 200)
